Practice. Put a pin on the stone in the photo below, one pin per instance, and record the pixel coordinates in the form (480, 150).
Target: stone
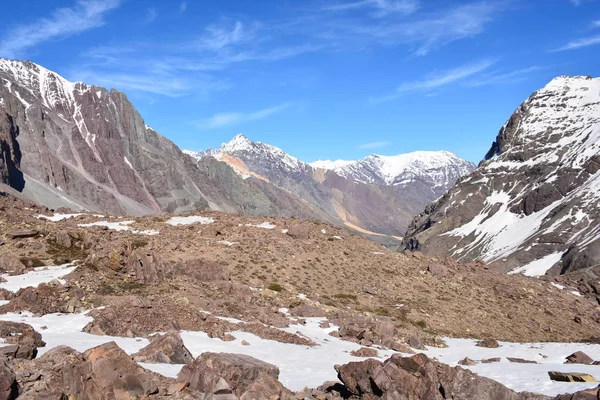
(520, 360)
(23, 336)
(467, 361)
(571, 377)
(306, 311)
(238, 370)
(9, 388)
(22, 234)
(488, 343)
(416, 343)
(579, 357)
(437, 270)
(491, 360)
(166, 349)
(365, 352)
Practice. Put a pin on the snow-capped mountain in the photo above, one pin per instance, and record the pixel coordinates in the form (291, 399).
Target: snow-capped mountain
(376, 194)
(533, 204)
(441, 169)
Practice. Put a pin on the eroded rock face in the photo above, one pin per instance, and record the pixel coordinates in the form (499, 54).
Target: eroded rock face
(534, 195)
(23, 337)
(9, 388)
(241, 373)
(417, 377)
(167, 349)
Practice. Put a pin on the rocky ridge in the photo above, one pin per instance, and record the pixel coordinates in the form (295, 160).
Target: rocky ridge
(531, 206)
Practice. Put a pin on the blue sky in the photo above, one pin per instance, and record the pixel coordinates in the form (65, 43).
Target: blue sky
(320, 79)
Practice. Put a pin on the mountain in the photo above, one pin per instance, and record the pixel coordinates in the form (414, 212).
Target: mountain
(533, 204)
(65, 144)
(369, 206)
(435, 171)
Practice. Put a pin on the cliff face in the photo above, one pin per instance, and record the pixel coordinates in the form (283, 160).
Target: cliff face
(532, 205)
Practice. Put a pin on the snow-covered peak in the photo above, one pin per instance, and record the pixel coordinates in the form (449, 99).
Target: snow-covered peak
(402, 168)
(332, 165)
(239, 143)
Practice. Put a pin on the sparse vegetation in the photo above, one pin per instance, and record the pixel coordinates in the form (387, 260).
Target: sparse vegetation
(276, 287)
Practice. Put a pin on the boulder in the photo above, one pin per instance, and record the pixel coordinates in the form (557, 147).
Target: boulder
(240, 372)
(438, 270)
(109, 371)
(520, 360)
(22, 234)
(166, 349)
(418, 377)
(23, 337)
(467, 361)
(489, 343)
(11, 264)
(307, 311)
(9, 388)
(365, 352)
(579, 357)
(491, 360)
(571, 377)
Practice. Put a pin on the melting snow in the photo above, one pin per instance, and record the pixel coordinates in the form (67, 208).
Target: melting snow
(264, 225)
(57, 217)
(121, 226)
(193, 219)
(34, 278)
(538, 267)
(127, 162)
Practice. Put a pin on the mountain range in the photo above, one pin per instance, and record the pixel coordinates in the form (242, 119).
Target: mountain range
(532, 205)
(80, 146)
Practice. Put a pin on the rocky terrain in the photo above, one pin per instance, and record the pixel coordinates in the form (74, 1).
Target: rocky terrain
(224, 285)
(532, 205)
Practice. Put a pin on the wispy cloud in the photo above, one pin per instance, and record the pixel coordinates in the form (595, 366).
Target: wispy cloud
(183, 6)
(234, 118)
(62, 23)
(496, 77)
(382, 7)
(151, 15)
(577, 3)
(580, 43)
(374, 145)
(422, 33)
(219, 37)
(438, 79)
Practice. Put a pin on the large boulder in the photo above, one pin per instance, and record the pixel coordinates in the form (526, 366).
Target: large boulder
(9, 388)
(579, 357)
(245, 376)
(418, 377)
(166, 349)
(23, 338)
(107, 372)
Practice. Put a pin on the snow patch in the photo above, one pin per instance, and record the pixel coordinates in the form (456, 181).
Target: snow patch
(192, 219)
(538, 267)
(36, 277)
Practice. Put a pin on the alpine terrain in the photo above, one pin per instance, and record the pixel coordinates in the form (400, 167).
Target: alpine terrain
(74, 145)
(532, 204)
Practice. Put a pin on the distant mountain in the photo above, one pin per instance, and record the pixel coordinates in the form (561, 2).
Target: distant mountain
(533, 205)
(434, 170)
(370, 205)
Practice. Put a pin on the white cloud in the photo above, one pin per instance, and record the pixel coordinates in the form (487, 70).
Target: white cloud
(62, 23)
(580, 43)
(382, 7)
(375, 145)
(232, 118)
(218, 38)
(151, 15)
(504, 77)
(438, 79)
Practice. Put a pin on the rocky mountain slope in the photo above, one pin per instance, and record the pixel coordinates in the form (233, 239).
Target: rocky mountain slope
(288, 297)
(532, 204)
(376, 195)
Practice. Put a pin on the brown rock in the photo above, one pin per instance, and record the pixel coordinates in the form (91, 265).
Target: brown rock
(520, 360)
(416, 343)
(579, 357)
(238, 370)
(245, 343)
(467, 361)
(23, 336)
(107, 372)
(8, 383)
(307, 311)
(571, 377)
(22, 234)
(438, 270)
(489, 343)
(365, 352)
(417, 377)
(167, 349)
(491, 360)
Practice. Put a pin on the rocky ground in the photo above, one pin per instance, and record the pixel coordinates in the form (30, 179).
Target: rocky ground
(264, 277)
